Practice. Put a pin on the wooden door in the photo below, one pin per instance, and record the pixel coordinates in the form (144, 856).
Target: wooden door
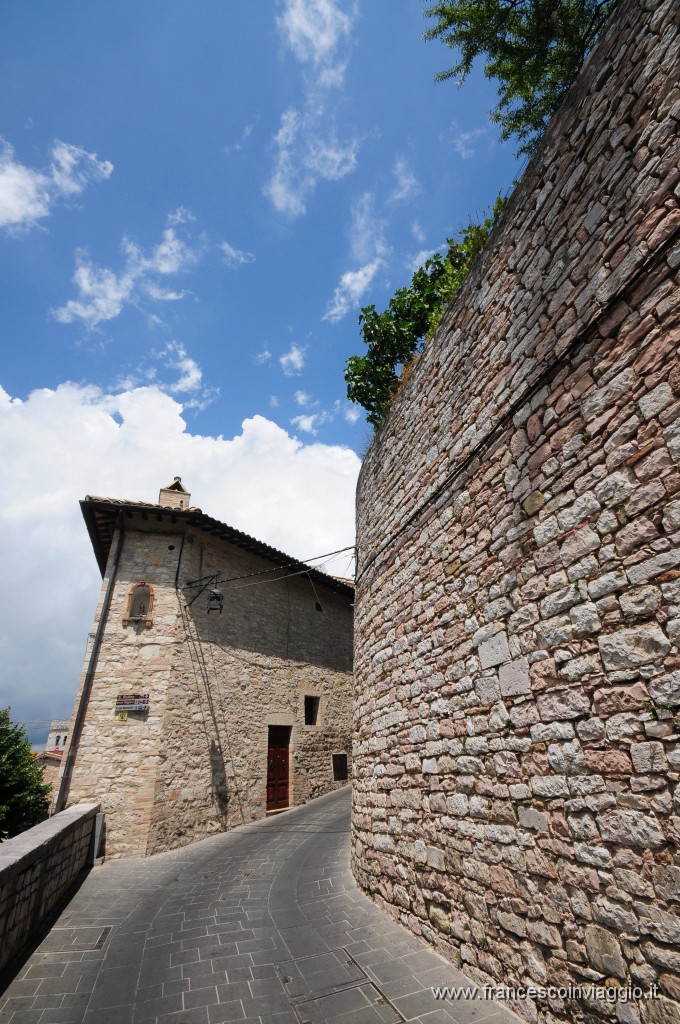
(277, 767)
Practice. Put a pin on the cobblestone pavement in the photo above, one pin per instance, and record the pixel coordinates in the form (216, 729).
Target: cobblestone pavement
(263, 923)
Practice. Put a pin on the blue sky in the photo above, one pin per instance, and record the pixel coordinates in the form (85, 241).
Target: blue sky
(195, 201)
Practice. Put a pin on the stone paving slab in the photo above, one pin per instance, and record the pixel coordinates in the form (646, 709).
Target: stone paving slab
(261, 925)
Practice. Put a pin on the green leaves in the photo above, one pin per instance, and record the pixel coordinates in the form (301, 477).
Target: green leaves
(398, 334)
(23, 795)
(534, 48)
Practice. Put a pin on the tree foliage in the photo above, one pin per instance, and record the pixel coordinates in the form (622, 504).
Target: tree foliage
(23, 794)
(534, 48)
(395, 336)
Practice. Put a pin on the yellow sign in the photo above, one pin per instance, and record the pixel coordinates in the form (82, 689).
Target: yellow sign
(122, 716)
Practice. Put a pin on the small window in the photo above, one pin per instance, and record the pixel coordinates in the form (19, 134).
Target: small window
(339, 767)
(58, 740)
(311, 710)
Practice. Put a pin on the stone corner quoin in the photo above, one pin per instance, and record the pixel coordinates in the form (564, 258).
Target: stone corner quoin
(517, 616)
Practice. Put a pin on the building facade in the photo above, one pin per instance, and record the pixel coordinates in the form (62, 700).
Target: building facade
(217, 682)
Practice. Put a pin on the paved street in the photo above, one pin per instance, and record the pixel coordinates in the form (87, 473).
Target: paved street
(263, 923)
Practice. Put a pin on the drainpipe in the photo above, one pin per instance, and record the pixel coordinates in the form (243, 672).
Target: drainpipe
(89, 675)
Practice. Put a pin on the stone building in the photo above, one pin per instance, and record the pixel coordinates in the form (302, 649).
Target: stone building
(57, 736)
(217, 682)
(517, 653)
(51, 756)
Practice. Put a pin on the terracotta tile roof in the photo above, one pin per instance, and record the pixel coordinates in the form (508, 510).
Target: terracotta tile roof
(101, 515)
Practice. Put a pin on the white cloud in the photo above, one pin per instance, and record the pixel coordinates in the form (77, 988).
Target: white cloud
(262, 357)
(191, 375)
(352, 413)
(352, 287)
(59, 445)
(103, 293)
(302, 398)
(417, 232)
(235, 257)
(467, 144)
(245, 135)
(180, 216)
(309, 422)
(407, 183)
(293, 360)
(314, 29)
(27, 195)
(273, 401)
(367, 232)
(307, 147)
(186, 379)
(419, 259)
(368, 246)
(306, 151)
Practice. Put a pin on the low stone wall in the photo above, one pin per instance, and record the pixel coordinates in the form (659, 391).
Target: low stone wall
(37, 868)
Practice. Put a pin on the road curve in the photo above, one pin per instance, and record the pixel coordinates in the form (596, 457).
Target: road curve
(260, 924)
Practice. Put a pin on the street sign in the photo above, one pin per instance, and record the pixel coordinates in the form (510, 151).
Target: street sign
(132, 702)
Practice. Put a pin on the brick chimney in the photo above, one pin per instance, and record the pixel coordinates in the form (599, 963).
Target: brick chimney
(174, 495)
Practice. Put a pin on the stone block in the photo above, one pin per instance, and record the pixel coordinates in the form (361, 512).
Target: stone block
(513, 678)
(585, 619)
(654, 401)
(613, 700)
(562, 705)
(666, 880)
(648, 757)
(494, 651)
(631, 828)
(665, 688)
(579, 544)
(604, 951)
(630, 648)
(641, 602)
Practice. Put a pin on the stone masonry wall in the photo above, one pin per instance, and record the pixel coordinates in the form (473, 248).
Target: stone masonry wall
(37, 868)
(517, 749)
(196, 762)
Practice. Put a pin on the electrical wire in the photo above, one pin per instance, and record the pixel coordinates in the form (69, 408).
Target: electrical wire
(274, 568)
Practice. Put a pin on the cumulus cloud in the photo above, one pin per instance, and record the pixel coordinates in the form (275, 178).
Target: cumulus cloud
(406, 182)
(27, 195)
(102, 293)
(368, 247)
(235, 257)
(262, 357)
(293, 360)
(62, 444)
(302, 398)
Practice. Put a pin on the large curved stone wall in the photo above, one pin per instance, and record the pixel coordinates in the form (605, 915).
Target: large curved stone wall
(518, 606)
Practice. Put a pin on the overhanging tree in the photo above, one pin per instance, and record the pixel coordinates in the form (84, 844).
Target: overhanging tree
(395, 336)
(23, 794)
(533, 48)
